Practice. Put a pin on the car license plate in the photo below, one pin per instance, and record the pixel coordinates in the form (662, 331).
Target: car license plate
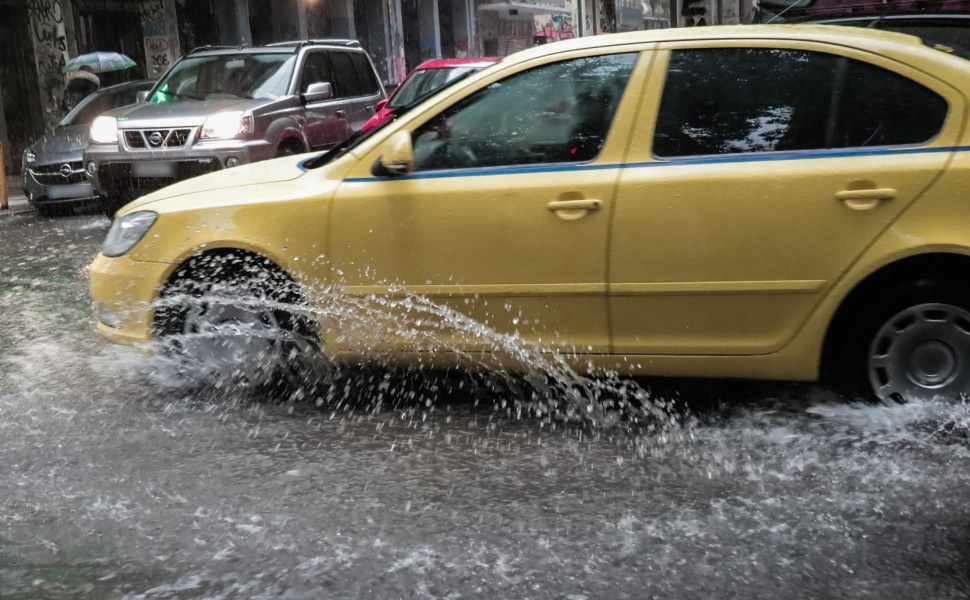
(161, 168)
(74, 190)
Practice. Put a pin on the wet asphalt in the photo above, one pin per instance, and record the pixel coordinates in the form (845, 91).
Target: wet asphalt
(118, 481)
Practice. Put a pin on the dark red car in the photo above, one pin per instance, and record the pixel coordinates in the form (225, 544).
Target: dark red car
(426, 78)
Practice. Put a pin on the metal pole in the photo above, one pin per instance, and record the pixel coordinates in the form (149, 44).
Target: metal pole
(4, 205)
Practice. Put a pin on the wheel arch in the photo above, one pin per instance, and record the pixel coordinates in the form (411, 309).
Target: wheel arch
(226, 261)
(921, 270)
(283, 132)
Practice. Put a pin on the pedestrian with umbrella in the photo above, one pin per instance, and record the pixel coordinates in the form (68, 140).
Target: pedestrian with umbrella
(82, 75)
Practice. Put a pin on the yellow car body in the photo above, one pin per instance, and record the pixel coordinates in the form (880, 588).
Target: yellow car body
(735, 265)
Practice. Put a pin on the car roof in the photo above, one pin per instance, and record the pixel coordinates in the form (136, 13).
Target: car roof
(447, 63)
(797, 31)
(276, 48)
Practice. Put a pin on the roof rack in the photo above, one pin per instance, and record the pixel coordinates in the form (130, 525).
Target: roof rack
(211, 47)
(325, 42)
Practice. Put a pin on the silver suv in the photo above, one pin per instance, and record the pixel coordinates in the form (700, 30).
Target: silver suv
(221, 107)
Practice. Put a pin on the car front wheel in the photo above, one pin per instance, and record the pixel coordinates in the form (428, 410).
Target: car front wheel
(231, 320)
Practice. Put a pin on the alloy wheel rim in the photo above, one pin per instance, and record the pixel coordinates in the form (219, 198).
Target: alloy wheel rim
(922, 352)
(232, 342)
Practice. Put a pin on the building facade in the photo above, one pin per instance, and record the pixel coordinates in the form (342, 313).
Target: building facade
(37, 37)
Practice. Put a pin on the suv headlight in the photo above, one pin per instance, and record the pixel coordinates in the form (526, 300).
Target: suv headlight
(227, 125)
(29, 157)
(127, 231)
(104, 130)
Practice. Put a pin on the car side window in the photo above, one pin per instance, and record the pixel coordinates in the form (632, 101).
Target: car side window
(743, 100)
(316, 69)
(876, 107)
(347, 84)
(368, 80)
(555, 113)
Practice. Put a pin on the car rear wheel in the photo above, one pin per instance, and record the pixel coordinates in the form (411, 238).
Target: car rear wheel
(914, 345)
(233, 320)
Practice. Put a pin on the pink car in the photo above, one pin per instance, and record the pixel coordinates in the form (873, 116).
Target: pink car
(426, 78)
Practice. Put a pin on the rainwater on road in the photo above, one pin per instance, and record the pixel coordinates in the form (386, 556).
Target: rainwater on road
(117, 483)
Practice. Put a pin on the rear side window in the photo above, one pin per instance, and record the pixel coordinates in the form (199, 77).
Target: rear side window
(368, 81)
(741, 100)
(348, 85)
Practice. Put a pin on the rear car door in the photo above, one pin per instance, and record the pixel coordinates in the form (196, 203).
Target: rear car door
(760, 171)
(356, 85)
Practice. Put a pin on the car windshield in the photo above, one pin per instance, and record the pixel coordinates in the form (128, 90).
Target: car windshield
(227, 76)
(100, 102)
(423, 82)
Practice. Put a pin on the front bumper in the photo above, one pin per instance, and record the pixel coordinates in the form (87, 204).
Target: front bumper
(44, 186)
(124, 292)
(123, 173)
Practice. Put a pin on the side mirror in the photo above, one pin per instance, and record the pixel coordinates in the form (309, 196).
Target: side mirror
(318, 91)
(141, 96)
(380, 104)
(398, 156)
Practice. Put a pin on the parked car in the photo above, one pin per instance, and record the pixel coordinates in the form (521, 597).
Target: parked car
(222, 107)
(425, 79)
(53, 172)
(951, 29)
(709, 202)
(801, 11)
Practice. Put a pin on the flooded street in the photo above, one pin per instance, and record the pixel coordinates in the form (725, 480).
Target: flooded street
(117, 483)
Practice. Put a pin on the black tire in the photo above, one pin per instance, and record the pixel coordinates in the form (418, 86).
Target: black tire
(109, 206)
(913, 343)
(289, 148)
(234, 320)
(50, 211)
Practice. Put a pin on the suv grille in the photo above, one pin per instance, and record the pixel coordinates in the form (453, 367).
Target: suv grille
(59, 173)
(151, 139)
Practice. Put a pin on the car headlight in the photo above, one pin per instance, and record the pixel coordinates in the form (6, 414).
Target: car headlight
(227, 125)
(127, 231)
(29, 157)
(104, 130)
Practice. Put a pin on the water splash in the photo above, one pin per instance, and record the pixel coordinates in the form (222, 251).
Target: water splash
(523, 377)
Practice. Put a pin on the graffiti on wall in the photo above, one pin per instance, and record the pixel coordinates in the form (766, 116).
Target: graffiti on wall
(155, 29)
(49, 39)
(557, 27)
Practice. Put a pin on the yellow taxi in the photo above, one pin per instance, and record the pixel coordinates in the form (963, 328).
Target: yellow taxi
(769, 202)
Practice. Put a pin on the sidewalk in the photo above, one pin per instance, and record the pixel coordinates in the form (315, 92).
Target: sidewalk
(15, 198)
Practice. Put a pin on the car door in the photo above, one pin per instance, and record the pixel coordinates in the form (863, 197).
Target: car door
(356, 86)
(503, 217)
(758, 174)
(325, 121)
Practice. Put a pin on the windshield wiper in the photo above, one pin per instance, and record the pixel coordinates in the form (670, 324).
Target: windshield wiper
(205, 93)
(179, 95)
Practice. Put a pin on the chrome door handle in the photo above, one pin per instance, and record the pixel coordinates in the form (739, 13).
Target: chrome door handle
(574, 204)
(570, 210)
(340, 113)
(865, 199)
(370, 107)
